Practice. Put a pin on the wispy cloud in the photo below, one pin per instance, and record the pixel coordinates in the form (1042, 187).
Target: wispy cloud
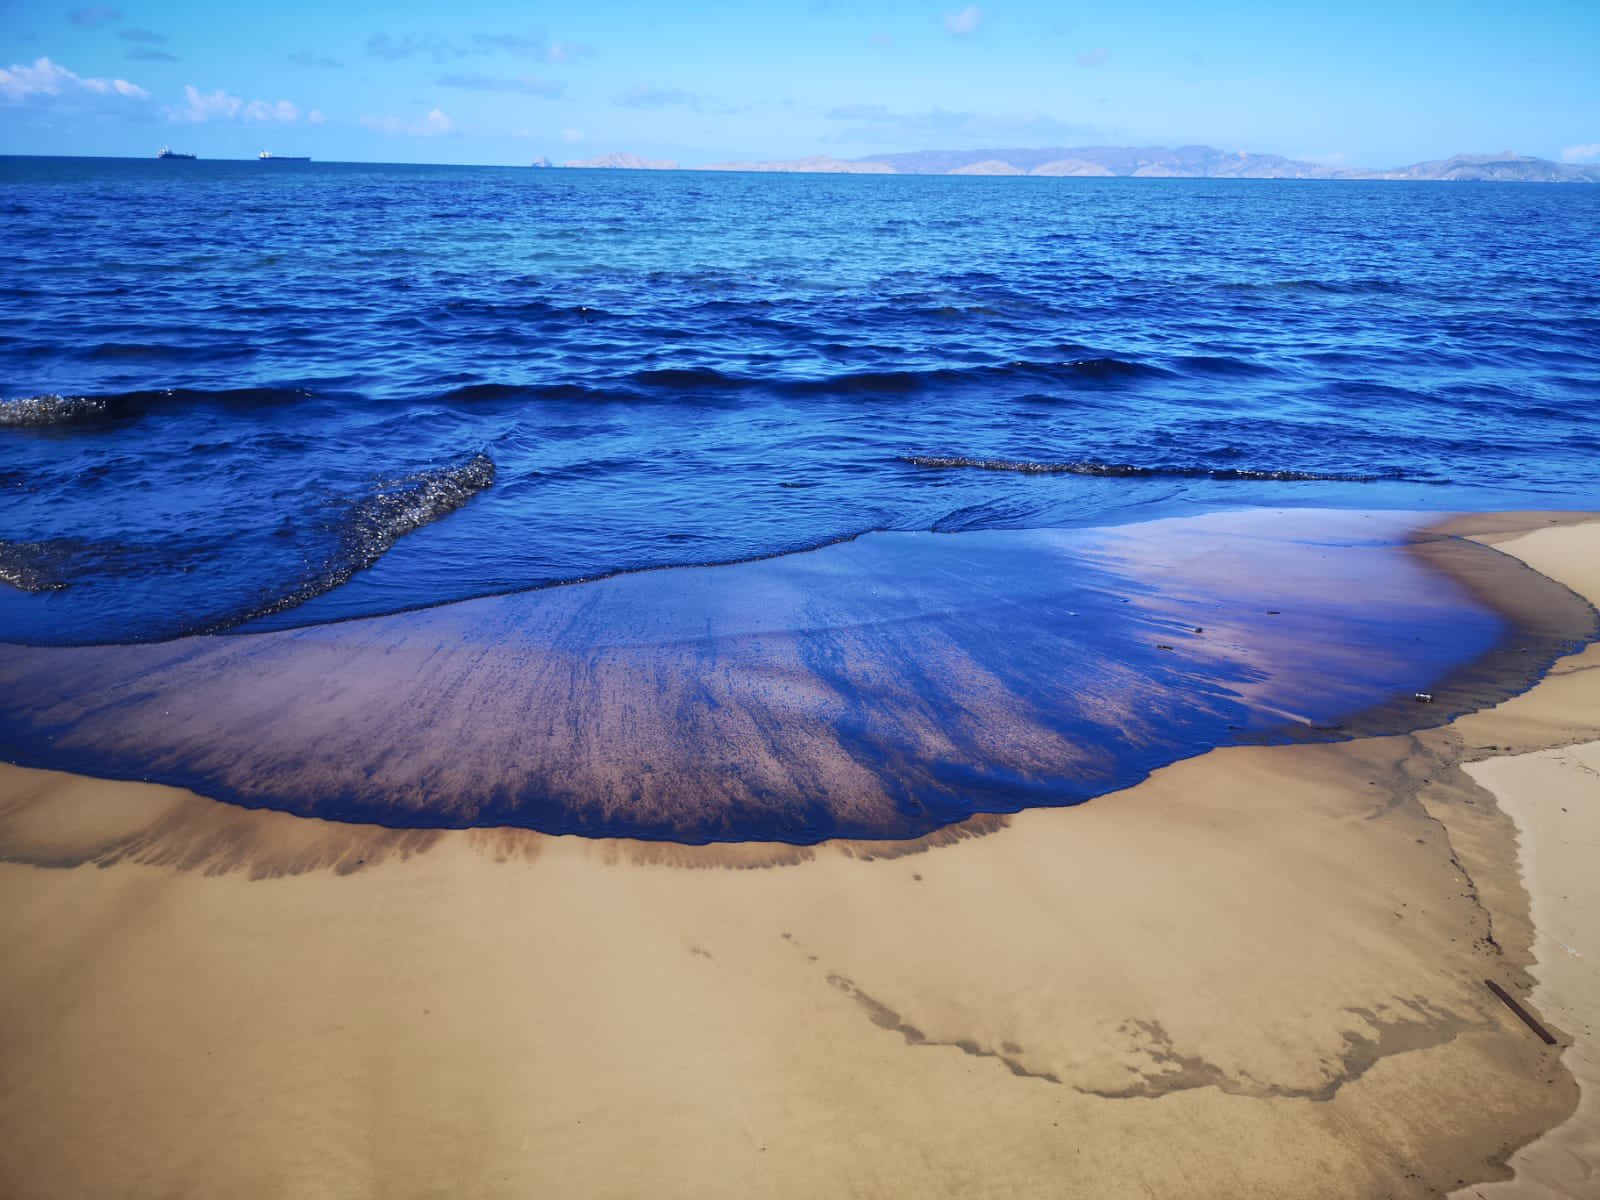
(650, 98)
(879, 124)
(279, 110)
(199, 107)
(434, 124)
(527, 46)
(306, 59)
(1588, 152)
(147, 36)
(560, 52)
(440, 49)
(1094, 58)
(20, 82)
(94, 14)
(150, 54)
(524, 85)
(964, 21)
(507, 43)
(412, 45)
(645, 96)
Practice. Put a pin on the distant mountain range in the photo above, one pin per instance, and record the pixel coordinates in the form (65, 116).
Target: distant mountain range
(1184, 162)
(625, 162)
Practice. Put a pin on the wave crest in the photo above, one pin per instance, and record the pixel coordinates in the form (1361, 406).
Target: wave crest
(51, 409)
(31, 566)
(375, 523)
(1169, 471)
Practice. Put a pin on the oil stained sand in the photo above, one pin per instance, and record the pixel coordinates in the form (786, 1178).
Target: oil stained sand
(1257, 973)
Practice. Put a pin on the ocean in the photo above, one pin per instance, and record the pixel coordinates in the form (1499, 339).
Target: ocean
(237, 396)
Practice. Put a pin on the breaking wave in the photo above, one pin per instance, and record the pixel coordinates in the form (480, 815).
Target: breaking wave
(31, 566)
(51, 410)
(375, 523)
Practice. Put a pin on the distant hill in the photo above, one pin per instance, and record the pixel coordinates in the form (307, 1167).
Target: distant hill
(626, 162)
(1071, 166)
(820, 164)
(1189, 162)
(1486, 168)
(989, 166)
(1182, 162)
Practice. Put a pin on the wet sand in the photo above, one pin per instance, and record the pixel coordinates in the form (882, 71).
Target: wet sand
(1258, 973)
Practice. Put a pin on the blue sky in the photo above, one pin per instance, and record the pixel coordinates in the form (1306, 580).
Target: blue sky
(1371, 84)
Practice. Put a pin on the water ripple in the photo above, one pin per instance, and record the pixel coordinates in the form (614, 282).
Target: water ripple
(205, 371)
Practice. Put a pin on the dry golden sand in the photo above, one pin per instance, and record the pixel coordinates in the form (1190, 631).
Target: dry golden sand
(1260, 973)
(1554, 798)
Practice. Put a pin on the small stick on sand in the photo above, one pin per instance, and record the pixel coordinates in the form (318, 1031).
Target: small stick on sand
(1527, 1018)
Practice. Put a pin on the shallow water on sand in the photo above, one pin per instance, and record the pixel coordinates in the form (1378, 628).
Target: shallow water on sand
(880, 688)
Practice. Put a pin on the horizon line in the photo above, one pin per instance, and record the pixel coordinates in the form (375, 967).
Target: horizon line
(797, 166)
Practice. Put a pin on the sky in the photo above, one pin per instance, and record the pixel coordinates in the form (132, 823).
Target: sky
(702, 81)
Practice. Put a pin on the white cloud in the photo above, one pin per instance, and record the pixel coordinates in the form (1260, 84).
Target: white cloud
(315, 117)
(572, 136)
(1588, 152)
(121, 87)
(45, 78)
(432, 125)
(965, 21)
(199, 107)
(261, 110)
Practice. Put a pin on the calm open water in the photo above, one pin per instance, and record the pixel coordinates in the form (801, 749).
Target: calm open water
(235, 395)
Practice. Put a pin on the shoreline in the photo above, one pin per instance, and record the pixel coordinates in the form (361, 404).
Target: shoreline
(1550, 795)
(877, 690)
(1257, 972)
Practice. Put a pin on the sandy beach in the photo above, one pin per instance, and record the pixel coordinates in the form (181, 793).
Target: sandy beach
(1261, 972)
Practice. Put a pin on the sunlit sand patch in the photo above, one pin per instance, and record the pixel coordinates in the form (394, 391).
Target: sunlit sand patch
(52, 819)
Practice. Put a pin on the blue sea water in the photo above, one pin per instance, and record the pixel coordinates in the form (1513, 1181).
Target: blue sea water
(247, 396)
